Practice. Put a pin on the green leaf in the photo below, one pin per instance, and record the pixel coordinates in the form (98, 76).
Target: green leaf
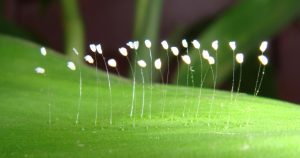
(248, 22)
(73, 28)
(147, 20)
(249, 127)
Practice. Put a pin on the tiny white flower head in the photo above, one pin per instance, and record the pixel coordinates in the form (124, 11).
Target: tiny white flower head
(130, 44)
(239, 58)
(43, 51)
(112, 62)
(93, 48)
(99, 48)
(184, 43)
(263, 46)
(39, 70)
(136, 45)
(263, 60)
(175, 51)
(215, 45)
(123, 51)
(165, 44)
(211, 60)
(157, 64)
(75, 51)
(186, 59)
(205, 54)
(232, 45)
(148, 43)
(142, 63)
(71, 65)
(196, 44)
(89, 59)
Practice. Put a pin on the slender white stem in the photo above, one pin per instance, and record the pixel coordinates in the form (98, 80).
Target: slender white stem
(186, 91)
(177, 81)
(164, 94)
(168, 66)
(143, 98)
(80, 94)
(151, 83)
(133, 88)
(239, 84)
(49, 106)
(261, 80)
(97, 89)
(201, 84)
(257, 79)
(233, 75)
(110, 92)
(213, 96)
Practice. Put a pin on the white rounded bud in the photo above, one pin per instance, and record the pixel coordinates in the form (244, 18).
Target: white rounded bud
(232, 45)
(71, 65)
(89, 59)
(157, 64)
(205, 54)
(186, 59)
(211, 60)
(75, 51)
(184, 43)
(239, 57)
(93, 48)
(40, 70)
(43, 51)
(99, 48)
(112, 62)
(215, 45)
(175, 51)
(165, 44)
(136, 45)
(263, 46)
(148, 43)
(196, 44)
(263, 60)
(142, 63)
(123, 51)
(130, 44)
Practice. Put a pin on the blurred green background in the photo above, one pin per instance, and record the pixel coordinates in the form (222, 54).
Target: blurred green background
(63, 24)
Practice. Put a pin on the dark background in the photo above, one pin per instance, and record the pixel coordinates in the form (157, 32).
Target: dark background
(111, 23)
